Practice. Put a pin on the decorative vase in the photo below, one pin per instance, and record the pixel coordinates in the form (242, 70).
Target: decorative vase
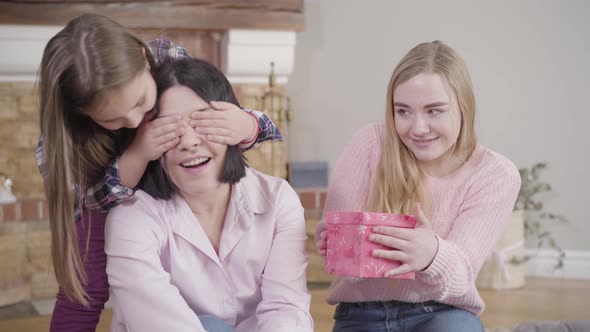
(6, 195)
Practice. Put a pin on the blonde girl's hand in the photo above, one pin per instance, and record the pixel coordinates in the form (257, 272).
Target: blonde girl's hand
(414, 248)
(156, 136)
(226, 124)
(321, 243)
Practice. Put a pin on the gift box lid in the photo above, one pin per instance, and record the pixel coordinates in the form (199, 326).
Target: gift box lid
(370, 218)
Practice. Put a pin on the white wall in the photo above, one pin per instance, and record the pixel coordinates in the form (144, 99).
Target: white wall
(529, 60)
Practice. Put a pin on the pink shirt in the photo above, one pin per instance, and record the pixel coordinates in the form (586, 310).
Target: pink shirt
(164, 271)
(470, 209)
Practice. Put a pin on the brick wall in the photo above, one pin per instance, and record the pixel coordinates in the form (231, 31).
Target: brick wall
(312, 198)
(25, 247)
(24, 210)
(19, 131)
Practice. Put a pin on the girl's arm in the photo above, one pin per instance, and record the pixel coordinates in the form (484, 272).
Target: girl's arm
(109, 192)
(164, 49)
(475, 231)
(100, 197)
(231, 125)
(267, 131)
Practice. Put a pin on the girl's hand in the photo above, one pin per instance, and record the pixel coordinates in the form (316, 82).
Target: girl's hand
(321, 243)
(154, 137)
(414, 248)
(228, 124)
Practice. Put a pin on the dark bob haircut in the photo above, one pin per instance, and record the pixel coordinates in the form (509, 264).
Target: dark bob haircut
(211, 85)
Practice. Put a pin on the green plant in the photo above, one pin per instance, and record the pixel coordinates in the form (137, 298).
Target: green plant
(534, 212)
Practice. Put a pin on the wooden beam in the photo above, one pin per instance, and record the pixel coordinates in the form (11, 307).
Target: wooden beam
(199, 15)
(206, 45)
(291, 5)
(294, 5)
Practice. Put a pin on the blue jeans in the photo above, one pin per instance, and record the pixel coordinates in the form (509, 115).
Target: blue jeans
(214, 324)
(394, 316)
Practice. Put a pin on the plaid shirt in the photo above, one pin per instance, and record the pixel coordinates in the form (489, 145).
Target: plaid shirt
(109, 192)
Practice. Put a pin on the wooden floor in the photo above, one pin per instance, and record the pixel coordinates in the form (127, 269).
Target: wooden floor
(541, 299)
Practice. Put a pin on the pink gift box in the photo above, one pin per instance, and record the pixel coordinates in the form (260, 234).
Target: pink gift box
(349, 251)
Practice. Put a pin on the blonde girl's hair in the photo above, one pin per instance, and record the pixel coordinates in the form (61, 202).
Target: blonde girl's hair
(399, 181)
(91, 56)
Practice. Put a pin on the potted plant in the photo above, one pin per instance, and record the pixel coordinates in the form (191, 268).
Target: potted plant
(535, 215)
(505, 268)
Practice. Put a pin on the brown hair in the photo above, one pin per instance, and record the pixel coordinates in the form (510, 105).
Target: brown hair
(91, 56)
(210, 84)
(399, 181)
